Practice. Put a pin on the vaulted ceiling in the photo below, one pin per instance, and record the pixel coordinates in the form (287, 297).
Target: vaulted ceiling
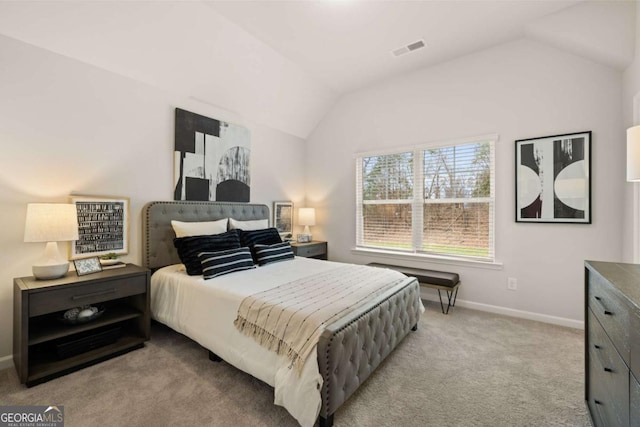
(284, 63)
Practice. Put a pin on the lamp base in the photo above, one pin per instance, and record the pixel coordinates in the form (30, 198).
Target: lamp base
(51, 265)
(48, 272)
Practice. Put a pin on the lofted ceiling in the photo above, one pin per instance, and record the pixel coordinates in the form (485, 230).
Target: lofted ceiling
(347, 44)
(284, 63)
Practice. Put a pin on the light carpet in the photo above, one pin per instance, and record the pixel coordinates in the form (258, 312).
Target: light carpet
(467, 368)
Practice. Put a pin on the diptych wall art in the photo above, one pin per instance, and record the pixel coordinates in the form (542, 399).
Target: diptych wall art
(211, 159)
(553, 179)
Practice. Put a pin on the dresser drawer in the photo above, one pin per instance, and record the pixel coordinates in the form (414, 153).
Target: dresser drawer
(68, 296)
(634, 336)
(634, 401)
(600, 403)
(609, 377)
(312, 250)
(612, 312)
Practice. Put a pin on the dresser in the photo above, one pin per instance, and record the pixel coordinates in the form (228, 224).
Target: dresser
(612, 343)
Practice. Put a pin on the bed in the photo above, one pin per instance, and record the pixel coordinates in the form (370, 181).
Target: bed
(348, 350)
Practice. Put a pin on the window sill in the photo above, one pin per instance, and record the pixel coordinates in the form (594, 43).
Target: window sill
(435, 259)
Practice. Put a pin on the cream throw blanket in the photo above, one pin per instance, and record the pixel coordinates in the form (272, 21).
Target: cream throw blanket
(290, 318)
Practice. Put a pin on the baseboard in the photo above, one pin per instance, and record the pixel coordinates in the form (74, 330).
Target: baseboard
(6, 362)
(561, 321)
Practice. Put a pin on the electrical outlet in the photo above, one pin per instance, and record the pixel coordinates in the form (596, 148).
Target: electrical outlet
(512, 284)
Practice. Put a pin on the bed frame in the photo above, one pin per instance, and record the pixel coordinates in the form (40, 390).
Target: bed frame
(349, 350)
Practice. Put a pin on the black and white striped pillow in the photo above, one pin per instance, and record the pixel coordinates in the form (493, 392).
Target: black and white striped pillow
(266, 236)
(266, 254)
(189, 248)
(216, 264)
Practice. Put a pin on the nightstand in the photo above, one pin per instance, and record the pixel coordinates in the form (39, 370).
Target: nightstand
(44, 347)
(315, 249)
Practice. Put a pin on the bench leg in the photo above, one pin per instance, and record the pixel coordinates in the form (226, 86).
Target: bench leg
(214, 357)
(449, 302)
(441, 305)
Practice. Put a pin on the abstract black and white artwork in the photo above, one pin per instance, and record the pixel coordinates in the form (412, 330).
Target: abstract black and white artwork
(553, 179)
(211, 159)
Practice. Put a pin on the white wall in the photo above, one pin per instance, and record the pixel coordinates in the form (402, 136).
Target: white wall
(67, 127)
(631, 89)
(518, 90)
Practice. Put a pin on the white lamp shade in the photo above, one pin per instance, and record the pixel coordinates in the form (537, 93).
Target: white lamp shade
(633, 153)
(51, 222)
(307, 216)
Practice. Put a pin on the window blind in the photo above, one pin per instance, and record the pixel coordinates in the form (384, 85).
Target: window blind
(434, 200)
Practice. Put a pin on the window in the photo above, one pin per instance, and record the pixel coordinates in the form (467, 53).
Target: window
(432, 200)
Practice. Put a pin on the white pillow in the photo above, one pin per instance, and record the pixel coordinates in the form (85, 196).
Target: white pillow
(185, 229)
(257, 224)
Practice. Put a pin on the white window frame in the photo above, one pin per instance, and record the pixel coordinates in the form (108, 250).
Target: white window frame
(418, 201)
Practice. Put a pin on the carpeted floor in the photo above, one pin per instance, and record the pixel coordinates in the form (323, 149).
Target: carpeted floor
(468, 368)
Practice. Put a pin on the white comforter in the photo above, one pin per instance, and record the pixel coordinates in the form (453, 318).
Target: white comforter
(204, 310)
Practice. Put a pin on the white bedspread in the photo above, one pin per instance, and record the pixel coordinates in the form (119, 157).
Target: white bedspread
(204, 310)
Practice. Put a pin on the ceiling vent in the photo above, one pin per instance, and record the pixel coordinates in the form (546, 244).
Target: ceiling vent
(409, 48)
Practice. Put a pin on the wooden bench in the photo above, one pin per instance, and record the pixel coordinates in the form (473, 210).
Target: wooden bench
(440, 280)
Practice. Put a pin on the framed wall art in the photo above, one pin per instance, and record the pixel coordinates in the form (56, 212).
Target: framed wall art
(553, 179)
(283, 217)
(211, 159)
(103, 226)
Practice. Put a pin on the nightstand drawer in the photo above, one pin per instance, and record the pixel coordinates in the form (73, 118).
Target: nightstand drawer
(66, 296)
(311, 250)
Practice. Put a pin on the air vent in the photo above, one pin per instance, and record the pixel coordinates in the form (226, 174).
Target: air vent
(409, 48)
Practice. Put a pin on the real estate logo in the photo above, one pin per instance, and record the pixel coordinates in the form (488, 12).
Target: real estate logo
(32, 416)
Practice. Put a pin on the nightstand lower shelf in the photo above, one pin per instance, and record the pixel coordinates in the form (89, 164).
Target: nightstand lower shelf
(45, 370)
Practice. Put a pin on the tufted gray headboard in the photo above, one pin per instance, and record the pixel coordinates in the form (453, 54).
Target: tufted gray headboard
(157, 233)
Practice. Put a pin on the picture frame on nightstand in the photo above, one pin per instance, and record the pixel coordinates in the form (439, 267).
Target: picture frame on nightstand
(303, 238)
(86, 266)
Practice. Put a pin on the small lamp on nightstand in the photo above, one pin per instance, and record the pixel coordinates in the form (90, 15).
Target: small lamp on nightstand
(306, 217)
(51, 223)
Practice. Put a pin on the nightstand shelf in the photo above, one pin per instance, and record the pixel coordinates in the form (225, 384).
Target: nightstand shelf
(48, 327)
(45, 369)
(45, 347)
(314, 249)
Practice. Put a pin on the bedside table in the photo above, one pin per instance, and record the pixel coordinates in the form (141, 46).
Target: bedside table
(45, 348)
(314, 249)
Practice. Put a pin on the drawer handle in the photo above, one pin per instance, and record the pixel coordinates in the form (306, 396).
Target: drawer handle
(604, 309)
(597, 402)
(93, 294)
(600, 359)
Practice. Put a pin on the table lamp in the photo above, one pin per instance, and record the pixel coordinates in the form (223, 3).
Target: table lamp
(51, 223)
(306, 217)
(633, 153)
